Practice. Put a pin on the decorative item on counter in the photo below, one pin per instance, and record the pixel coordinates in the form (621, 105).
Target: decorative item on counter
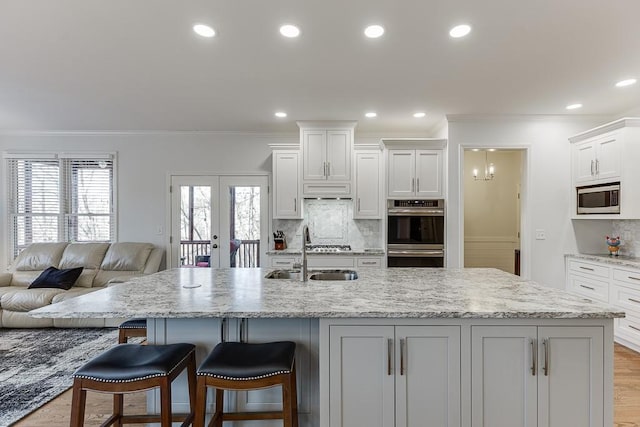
(614, 245)
(280, 242)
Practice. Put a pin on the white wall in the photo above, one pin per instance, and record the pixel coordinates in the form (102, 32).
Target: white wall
(547, 187)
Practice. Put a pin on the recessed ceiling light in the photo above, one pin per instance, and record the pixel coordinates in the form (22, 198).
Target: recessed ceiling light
(475, 149)
(574, 106)
(491, 149)
(419, 115)
(374, 31)
(460, 31)
(281, 114)
(290, 31)
(626, 82)
(371, 115)
(204, 30)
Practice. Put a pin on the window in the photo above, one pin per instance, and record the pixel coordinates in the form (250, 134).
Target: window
(60, 197)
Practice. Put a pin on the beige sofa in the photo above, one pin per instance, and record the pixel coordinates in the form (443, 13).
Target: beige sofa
(103, 263)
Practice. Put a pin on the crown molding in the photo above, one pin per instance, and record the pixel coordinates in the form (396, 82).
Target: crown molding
(607, 127)
(461, 118)
(26, 132)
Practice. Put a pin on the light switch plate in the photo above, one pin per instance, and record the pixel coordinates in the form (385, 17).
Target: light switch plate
(540, 235)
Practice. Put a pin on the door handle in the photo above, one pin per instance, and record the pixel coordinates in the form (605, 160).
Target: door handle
(534, 357)
(545, 367)
(214, 246)
(215, 237)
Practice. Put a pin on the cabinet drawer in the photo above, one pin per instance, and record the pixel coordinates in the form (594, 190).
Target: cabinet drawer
(330, 262)
(628, 328)
(369, 262)
(282, 262)
(627, 276)
(626, 298)
(589, 288)
(588, 268)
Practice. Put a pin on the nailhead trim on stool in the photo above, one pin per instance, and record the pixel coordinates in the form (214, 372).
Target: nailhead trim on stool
(128, 368)
(243, 366)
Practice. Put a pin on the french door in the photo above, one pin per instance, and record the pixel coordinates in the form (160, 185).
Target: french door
(218, 221)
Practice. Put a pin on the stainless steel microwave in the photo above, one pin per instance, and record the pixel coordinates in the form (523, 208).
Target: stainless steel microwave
(599, 199)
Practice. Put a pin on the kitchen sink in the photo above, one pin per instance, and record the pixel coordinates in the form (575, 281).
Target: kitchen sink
(313, 275)
(284, 274)
(334, 275)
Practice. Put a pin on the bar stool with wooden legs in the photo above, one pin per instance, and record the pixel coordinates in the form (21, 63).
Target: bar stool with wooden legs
(245, 366)
(132, 328)
(128, 368)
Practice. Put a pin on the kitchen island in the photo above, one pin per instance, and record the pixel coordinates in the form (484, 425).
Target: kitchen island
(396, 347)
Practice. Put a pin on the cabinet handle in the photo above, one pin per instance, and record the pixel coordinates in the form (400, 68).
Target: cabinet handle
(358, 204)
(597, 167)
(634, 300)
(389, 350)
(223, 324)
(633, 278)
(417, 185)
(242, 329)
(373, 263)
(295, 204)
(592, 173)
(413, 182)
(633, 327)
(402, 344)
(545, 368)
(534, 357)
(328, 169)
(587, 287)
(586, 268)
(281, 262)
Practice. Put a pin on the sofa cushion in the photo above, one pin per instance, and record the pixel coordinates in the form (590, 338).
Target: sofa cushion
(87, 255)
(54, 278)
(126, 256)
(71, 293)
(24, 278)
(39, 256)
(27, 299)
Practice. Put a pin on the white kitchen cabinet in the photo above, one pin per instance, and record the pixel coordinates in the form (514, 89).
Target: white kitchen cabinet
(401, 376)
(286, 178)
(541, 376)
(327, 150)
(597, 159)
(304, 332)
(368, 203)
(415, 173)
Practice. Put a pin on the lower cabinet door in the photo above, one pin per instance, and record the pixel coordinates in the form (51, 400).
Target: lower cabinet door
(427, 373)
(361, 376)
(503, 381)
(571, 383)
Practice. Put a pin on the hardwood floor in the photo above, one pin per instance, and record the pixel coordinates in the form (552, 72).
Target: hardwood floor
(56, 412)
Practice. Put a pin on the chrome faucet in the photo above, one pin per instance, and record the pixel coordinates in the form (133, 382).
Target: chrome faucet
(306, 239)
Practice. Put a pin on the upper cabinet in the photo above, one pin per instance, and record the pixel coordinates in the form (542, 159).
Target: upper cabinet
(367, 201)
(327, 149)
(597, 159)
(608, 154)
(415, 172)
(286, 199)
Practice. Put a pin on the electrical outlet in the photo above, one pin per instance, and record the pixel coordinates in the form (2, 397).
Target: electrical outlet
(540, 235)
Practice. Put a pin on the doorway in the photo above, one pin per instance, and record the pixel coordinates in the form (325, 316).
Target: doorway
(492, 208)
(218, 221)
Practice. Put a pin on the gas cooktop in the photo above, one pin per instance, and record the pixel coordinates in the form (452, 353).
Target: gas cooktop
(328, 248)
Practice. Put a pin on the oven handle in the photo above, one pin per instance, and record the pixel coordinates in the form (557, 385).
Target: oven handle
(415, 212)
(415, 253)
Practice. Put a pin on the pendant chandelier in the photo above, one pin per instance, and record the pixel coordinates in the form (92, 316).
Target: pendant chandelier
(489, 170)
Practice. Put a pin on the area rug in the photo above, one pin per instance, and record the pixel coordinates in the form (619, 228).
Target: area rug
(36, 365)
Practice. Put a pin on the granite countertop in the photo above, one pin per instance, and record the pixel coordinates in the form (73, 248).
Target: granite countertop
(377, 293)
(621, 260)
(352, 252)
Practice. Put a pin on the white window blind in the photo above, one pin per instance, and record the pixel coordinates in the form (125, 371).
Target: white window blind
(60, 199)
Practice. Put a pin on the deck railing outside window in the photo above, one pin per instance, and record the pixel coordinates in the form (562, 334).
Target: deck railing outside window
(247, 254)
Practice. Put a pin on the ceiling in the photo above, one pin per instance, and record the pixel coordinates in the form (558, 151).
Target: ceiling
(137, 65)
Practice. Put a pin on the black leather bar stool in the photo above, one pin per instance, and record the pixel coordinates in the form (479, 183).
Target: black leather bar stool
(243, 366)
(132, 328)
(128, 368)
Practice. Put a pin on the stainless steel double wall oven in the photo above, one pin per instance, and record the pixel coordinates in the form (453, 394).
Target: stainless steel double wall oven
(415, 233)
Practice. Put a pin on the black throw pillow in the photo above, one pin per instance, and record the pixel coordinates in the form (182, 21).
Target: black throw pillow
(54, 278)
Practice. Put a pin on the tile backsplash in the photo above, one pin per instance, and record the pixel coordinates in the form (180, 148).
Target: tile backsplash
(629, 232)
(331, 223)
